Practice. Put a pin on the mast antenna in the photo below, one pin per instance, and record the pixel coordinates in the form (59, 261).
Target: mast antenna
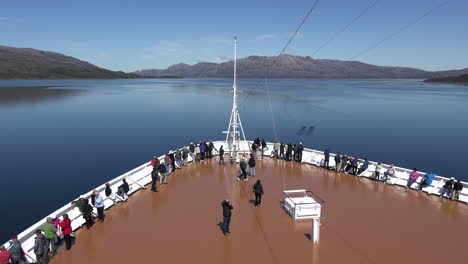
(235, 129)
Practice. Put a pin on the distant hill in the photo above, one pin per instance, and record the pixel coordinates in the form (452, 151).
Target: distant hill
(451, 79)
(25, 63)
(291, 66)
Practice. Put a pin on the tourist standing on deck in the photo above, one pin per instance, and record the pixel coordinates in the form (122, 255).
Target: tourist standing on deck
(378, 169)
(427, 180)
(40, 247)
(172, 161)
(457, 188)
(413, 178)
(185, 154)
(99, 205)
(289, 152)
(389, 173)
(153, 160)
(337, 162)
(258, 190)
(65, 225)
(354, 165)
(108, 190)
(49, 232)
(281, 153)
(243, 167)
(87, 214)
(202, 150)
(5, 255)
(197, 153)
(192, 151)
(327, 158)
(221, 155)
(162, 174)
(264, 145)
(178, 157)
(252, 166)
(154, 178)
(227, 212)
(15, 250)
(211, 147)
(448, 188)
(276, 149)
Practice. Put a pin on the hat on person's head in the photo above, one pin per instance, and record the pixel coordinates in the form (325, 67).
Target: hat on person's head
(38, 231)
(14, 237)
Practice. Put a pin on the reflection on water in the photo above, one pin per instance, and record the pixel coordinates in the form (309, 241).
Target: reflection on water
(33, 94)
(79, 134)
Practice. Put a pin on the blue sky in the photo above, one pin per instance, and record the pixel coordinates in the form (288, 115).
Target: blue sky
(139, 34)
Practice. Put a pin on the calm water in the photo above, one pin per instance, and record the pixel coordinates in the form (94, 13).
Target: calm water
(61, 142)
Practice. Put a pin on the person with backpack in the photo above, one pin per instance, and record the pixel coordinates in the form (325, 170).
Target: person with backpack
(258, 190)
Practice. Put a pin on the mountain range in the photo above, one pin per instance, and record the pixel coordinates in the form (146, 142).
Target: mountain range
(26, 63)
(292, 66)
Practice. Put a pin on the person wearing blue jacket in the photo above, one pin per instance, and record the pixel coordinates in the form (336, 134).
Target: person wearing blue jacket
(162, 174)
(364, 166)
(427, 180)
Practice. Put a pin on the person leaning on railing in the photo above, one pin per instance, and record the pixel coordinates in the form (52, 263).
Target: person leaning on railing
(448, 188)
(414, 176)
(389, 173)
(427, 180)
(457, 188)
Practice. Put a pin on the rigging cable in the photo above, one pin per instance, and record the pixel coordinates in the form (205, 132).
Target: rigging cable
(277, 58)
(339, 32)
(399, 30)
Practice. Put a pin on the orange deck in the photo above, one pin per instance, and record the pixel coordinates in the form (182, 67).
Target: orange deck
(367, 222)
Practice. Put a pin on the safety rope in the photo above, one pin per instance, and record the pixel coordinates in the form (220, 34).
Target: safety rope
(339, 32)
(399, 30)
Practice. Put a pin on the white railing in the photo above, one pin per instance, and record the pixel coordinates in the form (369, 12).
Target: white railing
(141, 176)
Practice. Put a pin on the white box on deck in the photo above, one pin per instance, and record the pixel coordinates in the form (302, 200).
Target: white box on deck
(301, 206)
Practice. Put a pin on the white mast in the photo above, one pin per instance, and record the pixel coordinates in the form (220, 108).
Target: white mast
(233, 136)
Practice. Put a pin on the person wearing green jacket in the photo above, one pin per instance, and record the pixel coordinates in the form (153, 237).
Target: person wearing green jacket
(378, 169)
(79, 203)
(50, 232)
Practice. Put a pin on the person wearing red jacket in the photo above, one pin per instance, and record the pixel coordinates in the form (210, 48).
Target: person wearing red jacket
(66, 230)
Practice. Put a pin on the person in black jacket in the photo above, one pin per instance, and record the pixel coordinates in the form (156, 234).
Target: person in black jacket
(448, 188)
(87, 214)
(252, 166)
(258, 190)
(300, 148)
(227, 212)
(154, 178)
(281, 150)
(457, 188)
(221, 155)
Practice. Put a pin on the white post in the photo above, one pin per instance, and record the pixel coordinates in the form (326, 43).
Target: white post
(316, 230)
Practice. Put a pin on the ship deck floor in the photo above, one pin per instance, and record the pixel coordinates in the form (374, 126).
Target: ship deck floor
(366, 221)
